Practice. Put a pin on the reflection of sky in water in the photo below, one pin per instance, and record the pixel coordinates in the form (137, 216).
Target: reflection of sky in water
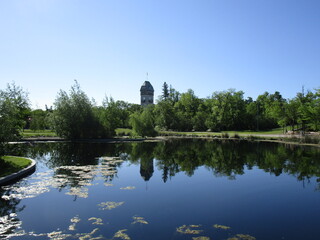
(112, 200)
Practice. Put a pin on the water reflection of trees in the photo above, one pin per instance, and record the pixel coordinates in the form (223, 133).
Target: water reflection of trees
(228, 158)
(223, 158)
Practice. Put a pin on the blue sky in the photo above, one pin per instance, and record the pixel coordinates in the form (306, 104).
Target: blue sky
(206, 45)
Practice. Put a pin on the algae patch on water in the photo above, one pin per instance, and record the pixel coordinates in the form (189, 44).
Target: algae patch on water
(58, 235)
(242, 237)
(79, 192)
(108, 184)
(8, 223)
(96, 221)
(139, 220)
(189, 229)
(128, 188)
(201, 238)
(122, 235)
(221, 227)
(76, 177)
(245, 237)
(109, 205)
(74, 222)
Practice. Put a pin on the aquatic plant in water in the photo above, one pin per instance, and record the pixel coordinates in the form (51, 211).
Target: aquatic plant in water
(245, 237)
(201, 238)
(139, 220)
(189, 229)
(109, 205)
(242, 237)
(74, 221)
(97, 221)
(60, 177)
(83, 236)
(128, 188)
(221, 227)
(122, 235)
(58, 235)
(108, 184)
(79, 192)
(8, 223)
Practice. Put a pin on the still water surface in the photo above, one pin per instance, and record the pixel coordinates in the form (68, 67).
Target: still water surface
(179, 189)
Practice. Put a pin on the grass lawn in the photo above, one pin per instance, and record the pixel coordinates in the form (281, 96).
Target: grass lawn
(10, 164)
(275, 131)
(40, 133)
(123, 132)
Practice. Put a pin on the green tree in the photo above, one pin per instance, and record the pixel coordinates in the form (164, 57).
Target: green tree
(304, 101)
(292, 112)
(165, 91)
(38, 119)
(74, 117)
(14, 106)
(186, 109)
(165, 117)
(227, 110)
(143, 123)
(312, 112)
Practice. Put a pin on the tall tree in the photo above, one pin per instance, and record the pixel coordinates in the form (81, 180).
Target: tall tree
(165, 91)
(227, 110)
(74, 118)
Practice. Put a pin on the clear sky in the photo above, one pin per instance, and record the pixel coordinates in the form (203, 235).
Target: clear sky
(206, 45)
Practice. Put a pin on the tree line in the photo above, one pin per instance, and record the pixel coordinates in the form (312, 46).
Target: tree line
(75, 116)
(229, 110)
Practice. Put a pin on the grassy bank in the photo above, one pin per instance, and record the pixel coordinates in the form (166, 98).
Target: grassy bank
(10, 164)
(27, 133)
(276, 131)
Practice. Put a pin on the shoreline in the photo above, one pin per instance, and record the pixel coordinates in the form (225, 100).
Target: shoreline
(285, 139)
(13, 177)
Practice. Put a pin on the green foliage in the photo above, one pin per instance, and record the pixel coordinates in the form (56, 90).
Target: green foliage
(165, 91)
(14, 108)
(143, 123)
(227, 110)
(165, 115)
(39, 120)
(76, 118)
(186, 109)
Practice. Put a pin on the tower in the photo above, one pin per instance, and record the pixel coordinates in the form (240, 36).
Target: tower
(146, 93)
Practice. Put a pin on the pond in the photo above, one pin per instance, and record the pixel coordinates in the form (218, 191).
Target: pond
(175, 189)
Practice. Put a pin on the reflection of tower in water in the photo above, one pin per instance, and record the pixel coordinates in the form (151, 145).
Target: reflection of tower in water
(146, 169)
